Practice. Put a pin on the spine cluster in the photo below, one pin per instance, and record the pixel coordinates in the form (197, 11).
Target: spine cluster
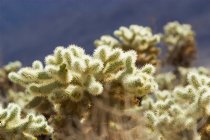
(180, 42)
(175, 114)
(112, 92)
(13, 126)
(138, 38)
(69, 73)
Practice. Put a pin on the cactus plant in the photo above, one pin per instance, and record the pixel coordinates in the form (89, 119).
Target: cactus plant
(13, 126)
(138, 38)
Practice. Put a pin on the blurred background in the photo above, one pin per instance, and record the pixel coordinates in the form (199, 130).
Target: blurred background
(31, 29)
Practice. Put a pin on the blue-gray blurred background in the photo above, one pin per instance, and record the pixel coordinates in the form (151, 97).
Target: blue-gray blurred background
(31, 29)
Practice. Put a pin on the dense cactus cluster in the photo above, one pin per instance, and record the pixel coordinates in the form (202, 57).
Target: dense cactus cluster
(14, 127)
(177, 114)
(5, 84)
(115, 93)
(180, 41)
(70, 76)
(69, 73)
(138, 38)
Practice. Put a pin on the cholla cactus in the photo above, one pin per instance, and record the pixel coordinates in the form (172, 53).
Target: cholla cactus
(71, 79)
(19, 98)
(180, 41)
(166, 81)
(177, 115)
(70, 72)
(169, 80)
(183, 72)
(5, 83)
(29, 102)
(4, 71)
(138, 38)
(14, 127)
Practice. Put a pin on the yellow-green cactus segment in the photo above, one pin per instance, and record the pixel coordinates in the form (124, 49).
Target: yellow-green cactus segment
(171, 113)
(13, 126)
(5, 83)
(176, 34)
(181, 44)
(107, 40)
(5, 70)
(166, 81)
(65, 67)
(69, 73)
(138, 38)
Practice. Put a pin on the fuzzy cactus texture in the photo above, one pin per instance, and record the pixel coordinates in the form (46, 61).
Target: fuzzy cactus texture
(166, 80)
(169, 80)
(138, 38)
(71, 79)
(4, 71)
(180, 41)
(14, 127)
(178, 114)
(124, 90)
(69, 73)
(5, 84)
